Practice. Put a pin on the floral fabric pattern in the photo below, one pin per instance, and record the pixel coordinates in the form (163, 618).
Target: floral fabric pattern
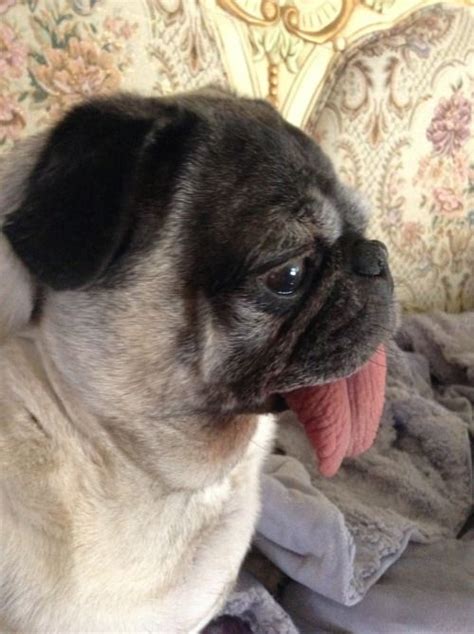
(449, 128)
(12, 119)
(55, 53)
(5, 5)
(12, 52)
(398, 125)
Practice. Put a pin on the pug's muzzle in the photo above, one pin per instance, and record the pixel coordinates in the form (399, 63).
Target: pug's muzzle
(328, 363)
(341, 415)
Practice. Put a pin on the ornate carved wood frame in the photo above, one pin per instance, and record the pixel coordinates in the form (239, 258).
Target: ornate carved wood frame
(285, 50)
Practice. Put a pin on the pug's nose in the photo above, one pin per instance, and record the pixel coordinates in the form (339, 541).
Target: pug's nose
(369, 258)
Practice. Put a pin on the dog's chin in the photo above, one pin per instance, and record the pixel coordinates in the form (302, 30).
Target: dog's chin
(274, 401)
(273, 404)
(341, 365)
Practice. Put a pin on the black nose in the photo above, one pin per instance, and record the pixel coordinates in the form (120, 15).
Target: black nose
(369, 258)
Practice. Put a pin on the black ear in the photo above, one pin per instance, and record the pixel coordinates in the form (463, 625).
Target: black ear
(74, 215)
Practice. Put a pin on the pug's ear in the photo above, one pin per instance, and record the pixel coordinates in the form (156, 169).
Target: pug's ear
(72, 217)
(70, 213)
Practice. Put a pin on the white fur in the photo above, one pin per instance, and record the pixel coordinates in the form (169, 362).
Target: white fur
(88, 541)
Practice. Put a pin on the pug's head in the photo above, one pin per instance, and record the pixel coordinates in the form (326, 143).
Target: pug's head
(185, 263)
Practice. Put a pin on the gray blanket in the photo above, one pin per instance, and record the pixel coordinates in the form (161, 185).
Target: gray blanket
(337, 537)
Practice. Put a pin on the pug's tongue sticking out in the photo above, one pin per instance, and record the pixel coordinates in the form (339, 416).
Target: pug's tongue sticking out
(341, 418)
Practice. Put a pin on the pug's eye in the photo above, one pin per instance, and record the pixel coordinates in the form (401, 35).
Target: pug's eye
(287, 279)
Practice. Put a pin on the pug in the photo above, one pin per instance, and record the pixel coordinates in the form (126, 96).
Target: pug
(173, 272)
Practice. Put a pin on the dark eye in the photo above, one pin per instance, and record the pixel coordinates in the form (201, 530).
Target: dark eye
(287, 279)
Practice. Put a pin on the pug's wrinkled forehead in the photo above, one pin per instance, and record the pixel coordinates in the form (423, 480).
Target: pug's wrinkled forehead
(270, 190)
(252, 190)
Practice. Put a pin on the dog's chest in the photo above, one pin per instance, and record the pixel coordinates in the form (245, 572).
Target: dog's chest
(182, 550)
(123, 554)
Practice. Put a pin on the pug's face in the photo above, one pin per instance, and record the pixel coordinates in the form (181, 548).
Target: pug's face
(195, 258)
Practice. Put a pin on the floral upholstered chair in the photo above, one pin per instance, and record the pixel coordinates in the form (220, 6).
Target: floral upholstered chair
(386, 87)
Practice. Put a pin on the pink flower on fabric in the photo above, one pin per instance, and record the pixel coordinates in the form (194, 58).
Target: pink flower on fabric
(12, 120)
(80, 70)
(447, 201)
(119, 27)
(12, 52)
(449, 128)
(412, 232)
(6, 4)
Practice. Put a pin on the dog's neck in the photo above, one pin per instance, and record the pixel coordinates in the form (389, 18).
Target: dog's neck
(188, 454)
(97, 504)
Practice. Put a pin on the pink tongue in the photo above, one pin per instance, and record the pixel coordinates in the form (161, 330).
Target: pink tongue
(341, 418)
